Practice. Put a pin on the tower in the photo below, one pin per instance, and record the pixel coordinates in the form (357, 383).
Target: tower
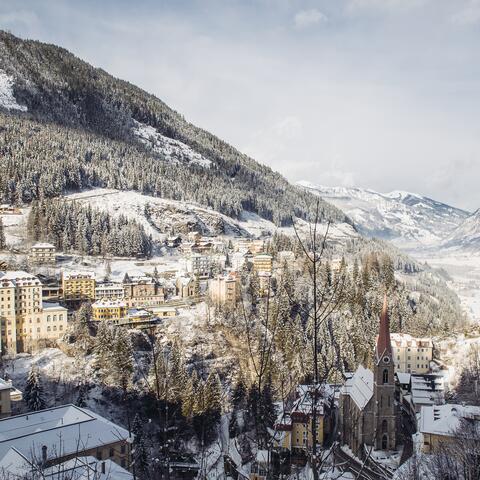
(384, 387)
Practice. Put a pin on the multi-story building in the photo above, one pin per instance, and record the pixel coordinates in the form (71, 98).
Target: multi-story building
(42, 254)
(109, 310)
(224, 289)
(109, 291)
(56, 435)
(199, 265)
(78, 287)
(410, 354)
(142, 291)
(295, 432)
(262, 262)
(24, 319)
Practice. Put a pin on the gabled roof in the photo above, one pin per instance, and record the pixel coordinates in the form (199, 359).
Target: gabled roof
(360, 387)
(445, 419)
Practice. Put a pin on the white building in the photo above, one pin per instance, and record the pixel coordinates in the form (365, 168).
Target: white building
(42, 254)
(109, 291)
(55, 435)
(410, 354)
(200, 265)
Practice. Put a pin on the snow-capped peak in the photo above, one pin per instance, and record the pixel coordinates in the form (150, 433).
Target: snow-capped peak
(406, 218)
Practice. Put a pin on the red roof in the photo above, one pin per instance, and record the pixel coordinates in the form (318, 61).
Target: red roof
(384, 344)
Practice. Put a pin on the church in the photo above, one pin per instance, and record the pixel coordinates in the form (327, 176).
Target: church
(367, 409)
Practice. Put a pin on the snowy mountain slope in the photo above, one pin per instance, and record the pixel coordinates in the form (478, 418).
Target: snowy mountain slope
(466, 236)
(159, 216)
(7, 98)
(407, 219)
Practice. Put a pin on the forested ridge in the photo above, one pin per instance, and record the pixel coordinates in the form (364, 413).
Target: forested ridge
(79, 133)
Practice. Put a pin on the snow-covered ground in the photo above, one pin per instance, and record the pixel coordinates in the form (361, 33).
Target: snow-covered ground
(7, 99)
(172, 150)
(15, 227)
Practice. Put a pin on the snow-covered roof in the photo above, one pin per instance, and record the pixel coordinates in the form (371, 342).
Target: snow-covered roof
(64, 429)
(405, 340)
(427, 389)
(80, 468)
(18, 278)
(445, 419)
(109, 304)
(73, 275)
(403, 378)
(47, 306)
(360, 387)
(43, 245)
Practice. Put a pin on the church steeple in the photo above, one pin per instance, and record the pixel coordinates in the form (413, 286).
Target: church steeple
(384, 388)
(384, 345)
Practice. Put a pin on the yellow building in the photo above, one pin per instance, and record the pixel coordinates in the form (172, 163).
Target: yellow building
(410, 354)
(295, 432)
(109, 310)
(224, 289)
(262, 262)
(24, 319)
(439, 424)
(78, 287)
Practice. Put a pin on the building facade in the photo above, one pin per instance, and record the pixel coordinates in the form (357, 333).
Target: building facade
(24, 319)
(142, 291)
(109, 310)
(262, 262)
(42, 254)
(224, 289)
(78, 287)
(410, 354)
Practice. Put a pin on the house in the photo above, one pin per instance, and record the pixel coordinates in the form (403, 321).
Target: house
(109, 310)
(367, 409)
(25, 320)
(56, 435)
(173, 241)
(439, 423)
(42, 254)
(225, 289)
(8, 394)
(164, 311)
(143, 291)
(78, 287)
(260, 466)
(109, 291)
(186, 286)
(411, 355)
(18, 466)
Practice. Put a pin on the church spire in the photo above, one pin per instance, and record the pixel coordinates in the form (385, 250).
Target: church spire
(384, 345)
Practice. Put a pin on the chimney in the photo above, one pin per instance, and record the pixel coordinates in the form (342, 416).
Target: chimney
(44, 454)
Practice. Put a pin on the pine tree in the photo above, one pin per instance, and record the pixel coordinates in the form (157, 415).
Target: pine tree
(139, 452)
(3, 243)
(122, 359)
(103, 349)
(33, 394)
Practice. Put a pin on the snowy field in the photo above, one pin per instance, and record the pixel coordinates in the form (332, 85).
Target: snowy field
(464, 273)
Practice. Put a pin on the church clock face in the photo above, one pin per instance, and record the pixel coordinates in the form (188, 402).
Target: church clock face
(386, 359)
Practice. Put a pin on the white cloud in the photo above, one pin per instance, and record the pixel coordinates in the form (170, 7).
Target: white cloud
(469, 15)
(308, 18)
(385, 5)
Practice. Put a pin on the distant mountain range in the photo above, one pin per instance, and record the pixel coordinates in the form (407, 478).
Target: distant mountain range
(407, 219)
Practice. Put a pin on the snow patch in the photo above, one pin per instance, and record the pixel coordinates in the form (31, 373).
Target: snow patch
(172, 150)
(7, 99)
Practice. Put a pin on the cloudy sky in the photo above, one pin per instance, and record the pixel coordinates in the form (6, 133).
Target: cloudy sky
(382, 94)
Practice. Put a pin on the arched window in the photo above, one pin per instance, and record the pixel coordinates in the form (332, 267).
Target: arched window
(384, 442)
(384, 426)
(385, 376)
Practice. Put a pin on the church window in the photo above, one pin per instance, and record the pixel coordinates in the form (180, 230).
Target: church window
(384, 427)
(384, 442)
(385, 376)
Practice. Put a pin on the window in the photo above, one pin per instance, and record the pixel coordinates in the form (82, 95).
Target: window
(385, 376)
(111, 453)
(122, 449)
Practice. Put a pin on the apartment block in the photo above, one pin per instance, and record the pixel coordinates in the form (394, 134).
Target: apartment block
(109, 310)
(410, 354)
(109, 291)
(142, 291)
(262, 262)
(78, 287)
(42, 254)
(224, 289)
